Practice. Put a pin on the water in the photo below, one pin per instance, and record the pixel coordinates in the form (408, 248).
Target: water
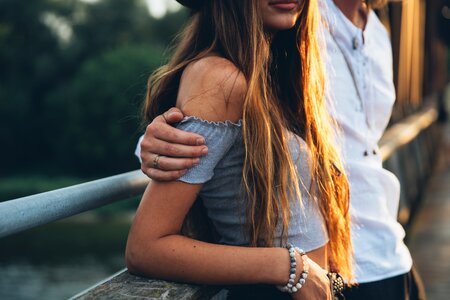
(26, 281)
(59, 260)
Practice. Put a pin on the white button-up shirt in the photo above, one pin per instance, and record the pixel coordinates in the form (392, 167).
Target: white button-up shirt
(360, 95)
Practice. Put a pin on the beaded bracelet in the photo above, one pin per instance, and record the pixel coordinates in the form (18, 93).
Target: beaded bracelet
(291, 287)
(305, 272)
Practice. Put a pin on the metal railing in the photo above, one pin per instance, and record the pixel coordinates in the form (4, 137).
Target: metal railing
(32, 211)
(407, 130)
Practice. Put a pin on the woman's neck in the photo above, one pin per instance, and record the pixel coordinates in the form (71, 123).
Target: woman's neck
(355, 10)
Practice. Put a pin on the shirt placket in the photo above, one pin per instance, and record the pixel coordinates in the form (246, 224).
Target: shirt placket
(361, 67)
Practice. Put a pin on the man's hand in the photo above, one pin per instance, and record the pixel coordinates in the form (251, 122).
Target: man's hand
(167, 152)
(317, 285)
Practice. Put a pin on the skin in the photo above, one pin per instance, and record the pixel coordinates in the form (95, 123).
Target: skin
(355, 10)
(181, 150)
(155, 241)
(275, 20)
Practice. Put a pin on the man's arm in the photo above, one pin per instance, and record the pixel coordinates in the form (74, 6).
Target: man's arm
(178, 150)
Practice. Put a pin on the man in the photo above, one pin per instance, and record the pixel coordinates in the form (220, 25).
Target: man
(360, 93)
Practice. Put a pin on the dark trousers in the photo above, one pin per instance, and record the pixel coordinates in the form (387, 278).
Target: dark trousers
(257, 292)
(403, 287)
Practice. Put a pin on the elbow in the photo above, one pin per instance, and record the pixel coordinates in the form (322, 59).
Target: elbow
(132, 260)
(136, 261)
(142, 259)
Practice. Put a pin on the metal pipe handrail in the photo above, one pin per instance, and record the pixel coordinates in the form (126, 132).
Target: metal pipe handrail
(405, 131)
(32, 211)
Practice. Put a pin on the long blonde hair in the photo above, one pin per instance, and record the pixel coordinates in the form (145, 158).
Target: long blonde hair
(285, 91)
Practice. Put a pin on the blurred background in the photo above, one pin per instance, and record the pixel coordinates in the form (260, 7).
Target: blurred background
(73, 76)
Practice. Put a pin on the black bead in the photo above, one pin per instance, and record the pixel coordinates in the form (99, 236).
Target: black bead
(366, 153)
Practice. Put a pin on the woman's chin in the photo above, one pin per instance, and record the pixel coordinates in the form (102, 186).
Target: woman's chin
(280, 26)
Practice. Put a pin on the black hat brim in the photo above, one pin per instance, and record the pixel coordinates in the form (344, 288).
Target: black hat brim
(194, 4)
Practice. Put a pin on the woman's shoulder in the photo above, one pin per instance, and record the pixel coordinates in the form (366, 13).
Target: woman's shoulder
(212, 88)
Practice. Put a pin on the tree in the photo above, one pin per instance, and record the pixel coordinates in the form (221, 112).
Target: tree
(95, 118)
(37, 64)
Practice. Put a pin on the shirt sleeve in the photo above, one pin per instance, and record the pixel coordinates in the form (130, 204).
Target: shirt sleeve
(137, 151)
(219, 137)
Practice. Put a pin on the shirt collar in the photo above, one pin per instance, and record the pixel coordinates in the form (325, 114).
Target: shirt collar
(344, 31)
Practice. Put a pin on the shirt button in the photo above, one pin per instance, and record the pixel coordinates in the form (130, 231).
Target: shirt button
(355, 43)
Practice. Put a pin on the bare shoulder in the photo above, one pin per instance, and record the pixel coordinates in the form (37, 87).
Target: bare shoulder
(212, 88)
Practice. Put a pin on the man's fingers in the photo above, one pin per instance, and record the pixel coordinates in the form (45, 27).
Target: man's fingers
(164, 132)
(173, 115)
(159, 175)
(177, 136)
(171, 164)
(173, 150)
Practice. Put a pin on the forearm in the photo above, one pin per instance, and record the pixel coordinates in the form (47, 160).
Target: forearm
(156, 249)
(179, 258)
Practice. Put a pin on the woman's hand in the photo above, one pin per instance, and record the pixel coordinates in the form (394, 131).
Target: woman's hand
(177, 150)
(317, 285)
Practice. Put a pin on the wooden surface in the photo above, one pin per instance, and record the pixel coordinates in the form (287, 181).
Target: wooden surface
(126, 286)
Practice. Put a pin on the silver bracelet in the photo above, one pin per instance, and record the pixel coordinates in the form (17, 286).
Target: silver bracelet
(291, 287)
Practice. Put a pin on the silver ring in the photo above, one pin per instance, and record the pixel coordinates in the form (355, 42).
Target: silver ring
(155, 161)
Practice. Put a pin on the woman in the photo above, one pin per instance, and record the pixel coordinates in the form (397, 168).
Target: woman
(249, 76)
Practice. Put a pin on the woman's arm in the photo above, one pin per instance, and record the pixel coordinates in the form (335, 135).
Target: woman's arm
(155, 247)
(212, 89)
(214, 92)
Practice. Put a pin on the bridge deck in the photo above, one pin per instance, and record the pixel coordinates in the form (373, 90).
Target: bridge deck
(429, 239)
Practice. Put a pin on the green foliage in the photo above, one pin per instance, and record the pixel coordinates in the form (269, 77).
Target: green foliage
(21, 186)
(65, 241)
(96, 115)
(25, 43)
(70, 103)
